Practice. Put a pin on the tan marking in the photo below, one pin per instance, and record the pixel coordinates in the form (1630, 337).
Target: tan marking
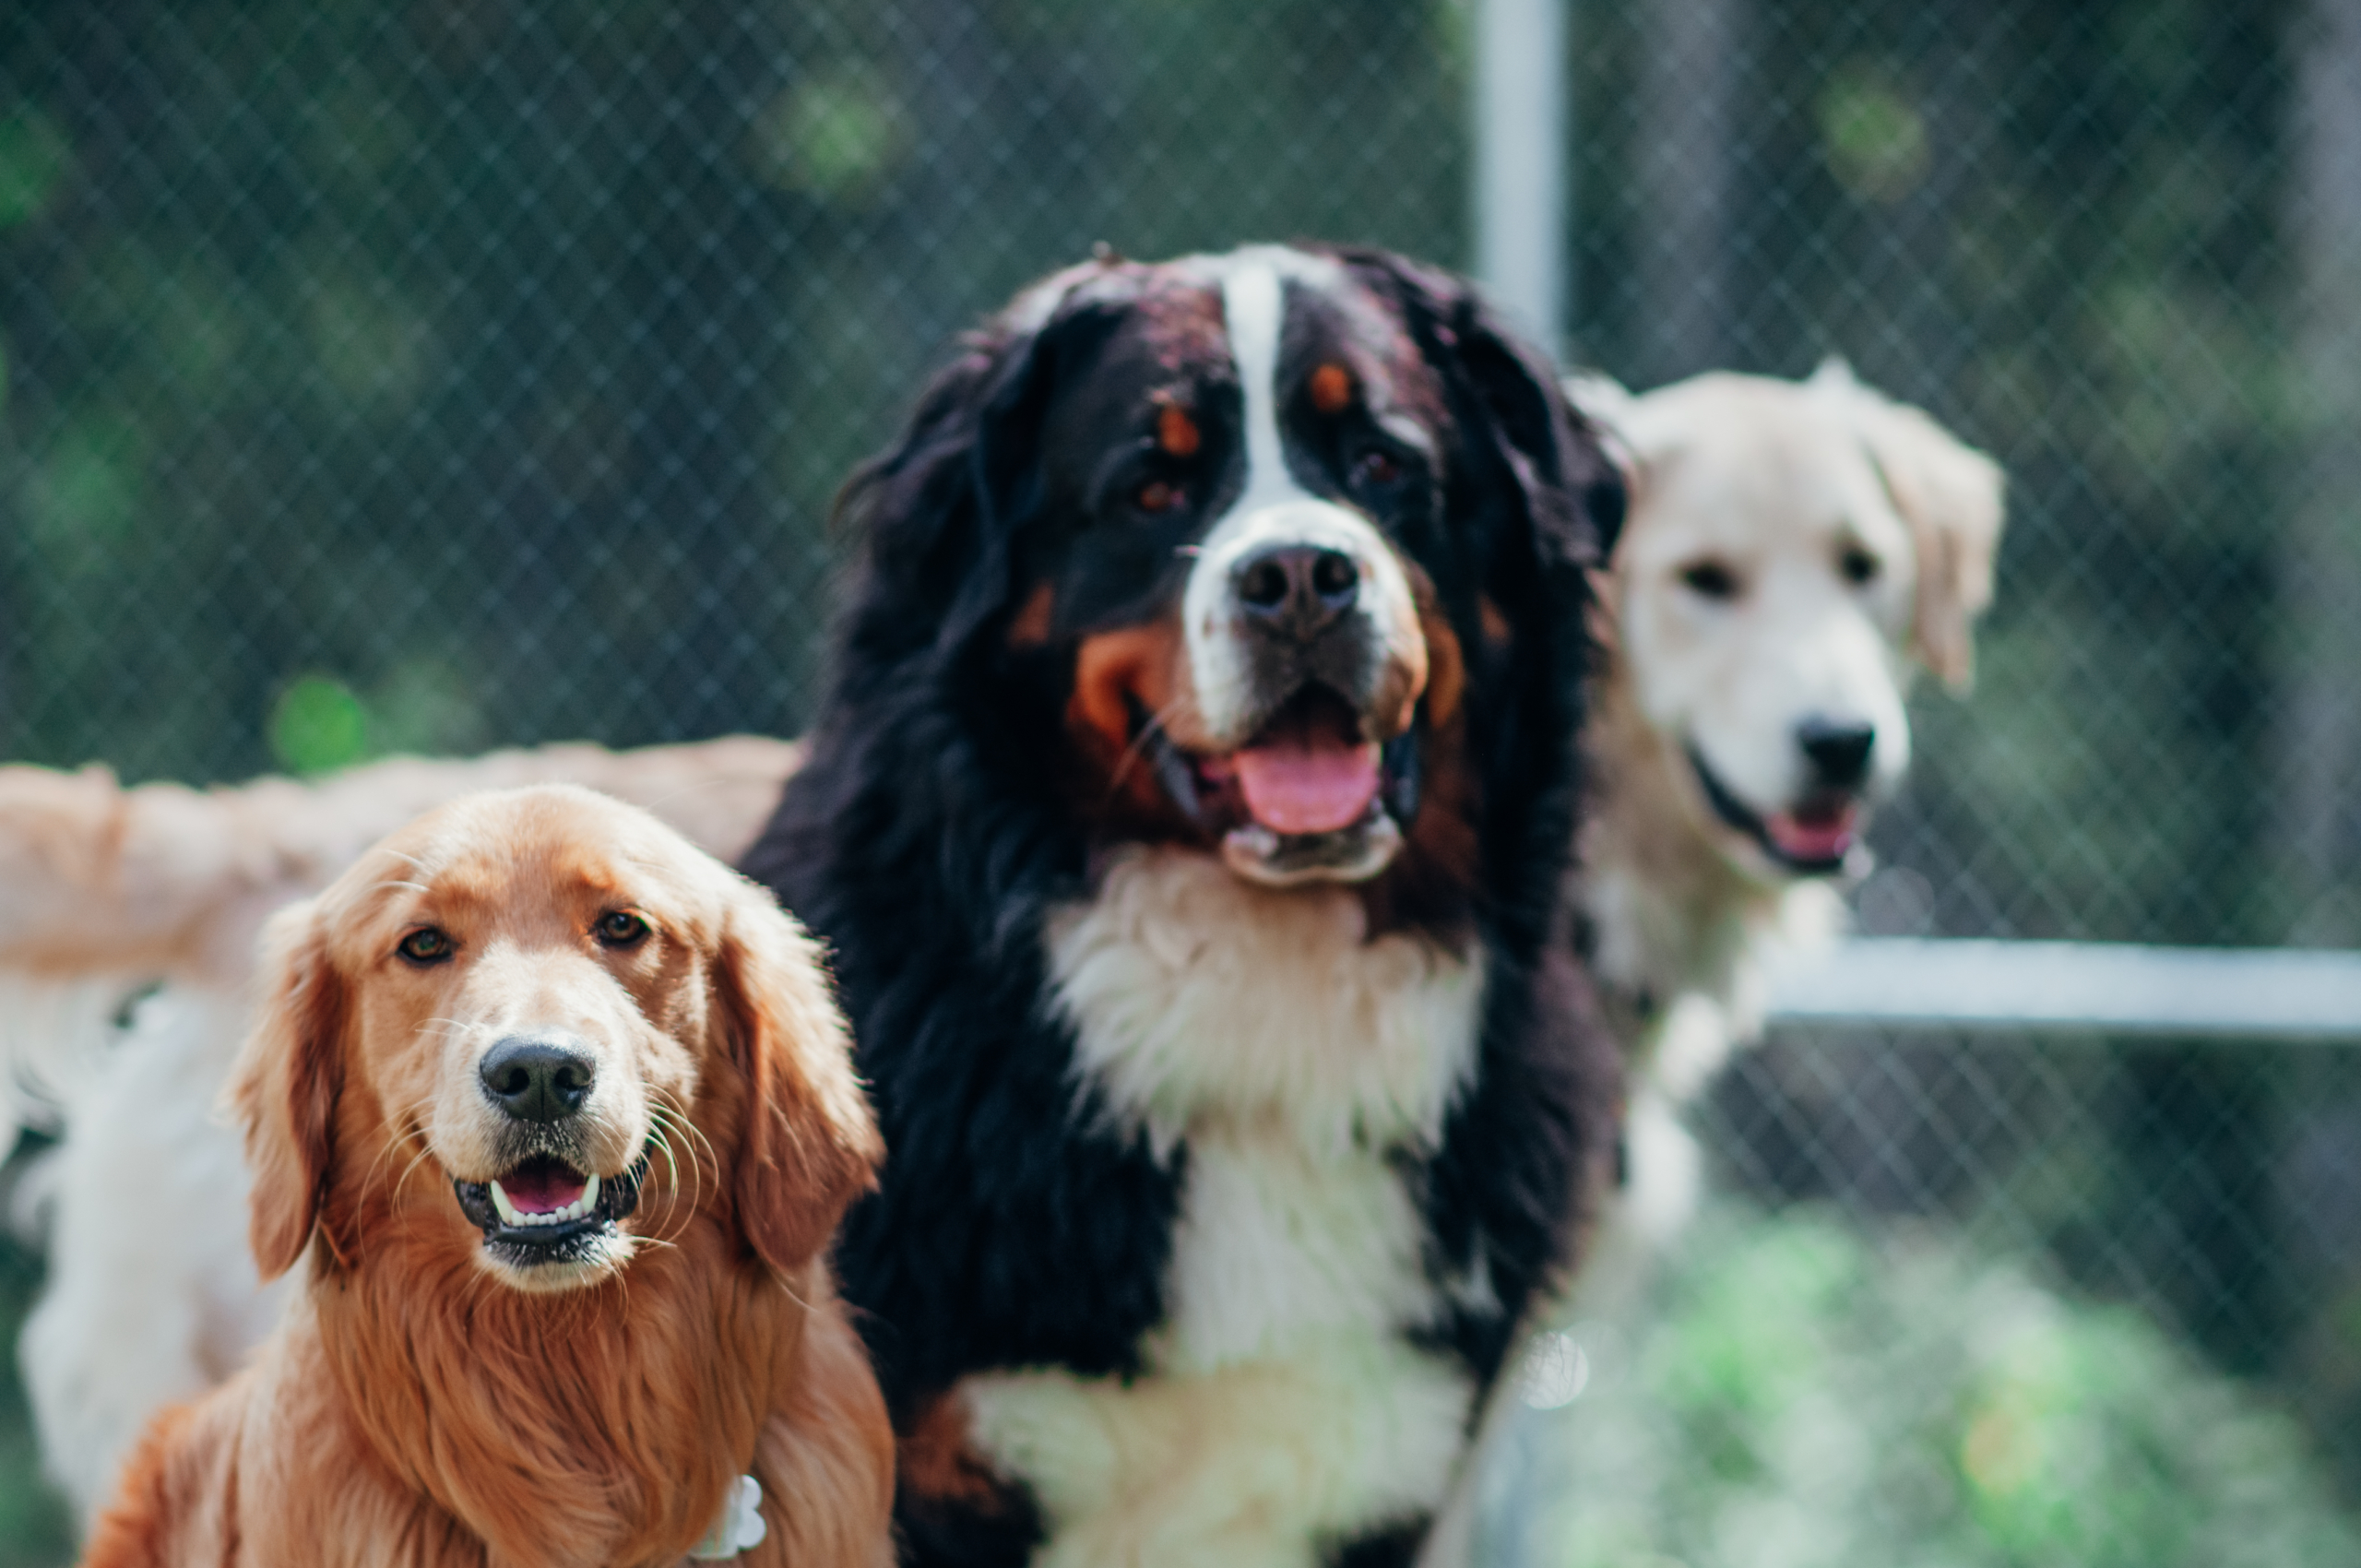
(1495, 623)
(1175, 432)
(1446, 668)
(1148, 665)
(1031, 627)
(1139, 662)
(1332, 388)
(1409, 672)
(939, 1464)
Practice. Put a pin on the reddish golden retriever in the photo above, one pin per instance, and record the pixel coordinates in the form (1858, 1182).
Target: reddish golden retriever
(561, 1114)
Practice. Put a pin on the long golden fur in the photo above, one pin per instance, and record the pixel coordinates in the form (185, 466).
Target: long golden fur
(158, 891)
(430, 1399)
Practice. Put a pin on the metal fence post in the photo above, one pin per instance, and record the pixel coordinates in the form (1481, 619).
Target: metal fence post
(1521, 186)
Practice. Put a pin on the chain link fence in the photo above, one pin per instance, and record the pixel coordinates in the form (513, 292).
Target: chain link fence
(426, 375)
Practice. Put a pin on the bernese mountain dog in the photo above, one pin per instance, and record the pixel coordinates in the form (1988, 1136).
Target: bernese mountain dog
(1188, 813)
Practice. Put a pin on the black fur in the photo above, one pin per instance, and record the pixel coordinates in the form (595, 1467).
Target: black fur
(928, 834)
(1388, 1546)
(924, 840)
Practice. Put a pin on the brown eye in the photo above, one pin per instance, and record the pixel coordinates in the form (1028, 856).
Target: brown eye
(619, 928)
(426, 945)
(1375, 467)
(1710, 579)
(1858, 565)
(1158, 496)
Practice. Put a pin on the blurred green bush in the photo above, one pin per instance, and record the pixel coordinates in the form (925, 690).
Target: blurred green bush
(1793, 1393)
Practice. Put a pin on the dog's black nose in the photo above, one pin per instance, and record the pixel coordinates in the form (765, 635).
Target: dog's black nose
(537, 1080)
(1297, 590)
(1839, 750)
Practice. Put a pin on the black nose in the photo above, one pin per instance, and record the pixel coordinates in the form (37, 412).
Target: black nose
(1839, 750)
(1297, 590)
(535, 1080)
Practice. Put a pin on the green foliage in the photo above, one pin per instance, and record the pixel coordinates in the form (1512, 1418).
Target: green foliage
(318, 725)
(34, 159)
(1795, 1393)
(1871, 134)
(836, 137)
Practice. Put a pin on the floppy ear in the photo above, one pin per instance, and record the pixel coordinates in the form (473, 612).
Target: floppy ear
(284, 1087)
(939, 510)
(1950, 495)
(810, 1144)
(1506, 397)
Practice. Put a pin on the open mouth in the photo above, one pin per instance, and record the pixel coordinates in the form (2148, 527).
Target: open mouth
(1812, 839)
(544, 1211)
(1307, 798)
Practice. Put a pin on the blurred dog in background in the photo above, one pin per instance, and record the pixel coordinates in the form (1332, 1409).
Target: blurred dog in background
(1794, 554)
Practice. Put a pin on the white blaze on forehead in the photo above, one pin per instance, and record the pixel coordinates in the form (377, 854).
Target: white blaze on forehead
(1254, 304)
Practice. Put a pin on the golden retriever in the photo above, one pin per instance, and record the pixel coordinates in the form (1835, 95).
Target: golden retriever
(561, 1116)
(151, 1295)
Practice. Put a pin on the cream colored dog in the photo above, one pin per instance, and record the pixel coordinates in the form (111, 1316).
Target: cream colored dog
(1795, 551)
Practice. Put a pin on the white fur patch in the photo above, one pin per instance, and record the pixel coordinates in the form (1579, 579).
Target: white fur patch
(1284, 1407)
(1254, 1466)
(1254, 304)
(151, 1295)
(1201, 999)
(1277, 1250)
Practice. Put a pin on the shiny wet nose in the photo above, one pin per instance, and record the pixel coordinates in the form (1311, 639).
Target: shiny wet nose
(1838, 750)
(537, 1080)
(1297, 590)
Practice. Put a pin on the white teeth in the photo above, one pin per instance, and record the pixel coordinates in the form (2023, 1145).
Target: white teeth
(579, 1208)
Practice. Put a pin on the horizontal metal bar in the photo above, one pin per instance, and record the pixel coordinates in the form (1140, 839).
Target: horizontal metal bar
(2075, 987)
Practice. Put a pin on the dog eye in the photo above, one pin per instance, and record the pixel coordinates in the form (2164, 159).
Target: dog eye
(1158, 496)
(1857, 564)
(426, 945)
(619, 928)
(1710, 579)
(1376, 466)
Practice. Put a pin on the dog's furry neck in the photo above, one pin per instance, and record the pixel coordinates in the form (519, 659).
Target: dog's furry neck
(1668, 914)
(510, 1412)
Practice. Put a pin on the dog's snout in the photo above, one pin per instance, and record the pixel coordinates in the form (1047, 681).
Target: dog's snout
(1838, 750)
(1297, 590)
(537, 1080)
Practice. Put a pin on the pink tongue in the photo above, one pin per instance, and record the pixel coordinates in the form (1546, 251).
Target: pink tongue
(1822, 838)
(1315, 784)
(538, 1186)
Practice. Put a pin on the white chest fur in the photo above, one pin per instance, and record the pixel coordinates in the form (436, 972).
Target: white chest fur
(1284, 1405)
